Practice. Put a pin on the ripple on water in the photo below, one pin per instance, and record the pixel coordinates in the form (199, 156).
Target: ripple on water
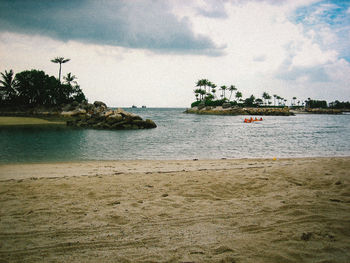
(183, 136)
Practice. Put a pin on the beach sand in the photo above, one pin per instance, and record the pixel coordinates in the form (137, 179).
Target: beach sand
(249, 210)
(28, 121)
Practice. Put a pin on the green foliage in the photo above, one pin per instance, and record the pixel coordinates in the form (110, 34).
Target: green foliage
(259, 101)
(339, 105)
(210, 103)
(214, 102)
(249, 101)
(7, 86)
(195, 104)
(209, 97)
(34, 88)
(316, 103)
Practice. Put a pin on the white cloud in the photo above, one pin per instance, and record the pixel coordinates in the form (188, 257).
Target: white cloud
(265, 51)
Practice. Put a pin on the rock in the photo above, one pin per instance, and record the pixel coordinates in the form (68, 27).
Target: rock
(89, 107)
(108, 113)
(92, 121)
(73, 113)
(118, 125)
(128, 115)
(226, 105)
(120, 111)
(201, 105)
(114, 118)
(117, 117)
(100, 104)
(98, 125)
(98, 116)
(80, 111)
(68, 107)
(150, 124)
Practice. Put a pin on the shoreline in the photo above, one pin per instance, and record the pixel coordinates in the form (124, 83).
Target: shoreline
(108, 161)
(226, 210)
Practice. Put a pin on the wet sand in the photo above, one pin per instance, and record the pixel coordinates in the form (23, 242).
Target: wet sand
(250, 210)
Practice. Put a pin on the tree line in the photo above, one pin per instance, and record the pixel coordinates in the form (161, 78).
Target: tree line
(32, 88)
(206, 92)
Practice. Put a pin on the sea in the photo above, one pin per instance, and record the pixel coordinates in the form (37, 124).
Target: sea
(181, 136)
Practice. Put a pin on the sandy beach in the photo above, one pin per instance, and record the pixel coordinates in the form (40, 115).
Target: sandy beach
(249, 210)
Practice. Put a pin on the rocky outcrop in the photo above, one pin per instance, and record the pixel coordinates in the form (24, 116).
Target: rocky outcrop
(240, 111)
(99, 116)
(96, 115)
(322, 111)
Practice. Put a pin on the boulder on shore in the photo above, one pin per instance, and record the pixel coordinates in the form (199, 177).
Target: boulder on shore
(99, 116)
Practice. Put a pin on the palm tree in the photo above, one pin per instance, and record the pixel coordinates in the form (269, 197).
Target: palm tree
(249, 101)
(209, 85)
(293, 102)
(274, 99)
(258, 101)
(60, 60)
(204, 82)
(213, 90)
(197, 92)
(223, 88)
(196, 96)
(202, 93)
(278, 100)
(200, 83)
(209, 96)
(266, 97)
(7, 85)
(238, 95)
(231, 89)
(70, 78)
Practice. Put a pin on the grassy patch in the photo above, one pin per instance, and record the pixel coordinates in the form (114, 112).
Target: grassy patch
(11, 121)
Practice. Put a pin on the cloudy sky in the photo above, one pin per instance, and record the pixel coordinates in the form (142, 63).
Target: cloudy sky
(152, 52)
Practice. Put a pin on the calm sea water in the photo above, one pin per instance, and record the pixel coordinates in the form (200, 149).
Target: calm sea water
(183, 136)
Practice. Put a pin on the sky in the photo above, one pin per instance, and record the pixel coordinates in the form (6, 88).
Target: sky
(152, 52)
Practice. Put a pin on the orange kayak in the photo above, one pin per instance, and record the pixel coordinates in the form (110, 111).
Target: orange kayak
(252, 120)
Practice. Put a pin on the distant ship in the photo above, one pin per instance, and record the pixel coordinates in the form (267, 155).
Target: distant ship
(144, 107)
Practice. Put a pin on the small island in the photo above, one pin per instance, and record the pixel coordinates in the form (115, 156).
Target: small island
(208, 103)
(32, 97)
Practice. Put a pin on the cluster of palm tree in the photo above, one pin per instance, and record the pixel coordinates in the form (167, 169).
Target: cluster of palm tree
(206, 91)
(280, 101)
(34, 87)
(296, 103)
(210, 93)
